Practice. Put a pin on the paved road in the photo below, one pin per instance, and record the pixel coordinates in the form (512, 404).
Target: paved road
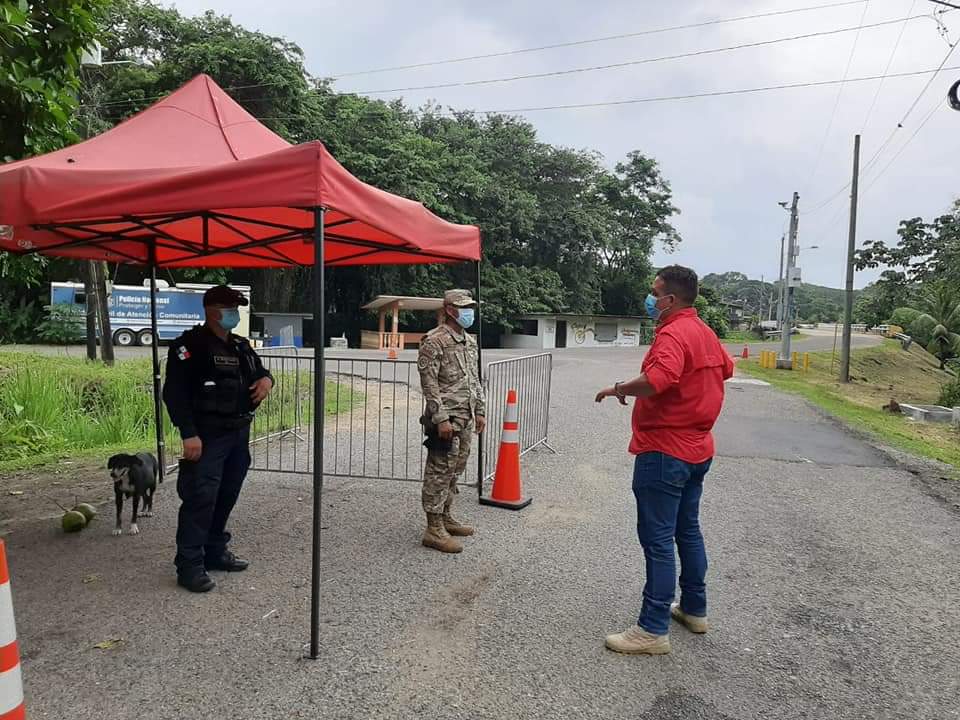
(835, 592)
(814, 340)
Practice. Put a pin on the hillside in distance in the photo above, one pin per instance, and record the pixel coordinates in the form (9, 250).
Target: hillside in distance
(814, 303)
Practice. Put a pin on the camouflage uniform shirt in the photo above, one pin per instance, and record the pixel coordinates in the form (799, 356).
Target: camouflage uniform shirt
(448, 375)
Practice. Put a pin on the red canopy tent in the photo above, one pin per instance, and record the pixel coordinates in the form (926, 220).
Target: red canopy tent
(196, 181)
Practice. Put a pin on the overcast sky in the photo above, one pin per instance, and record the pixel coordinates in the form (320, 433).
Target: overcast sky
(731, 159)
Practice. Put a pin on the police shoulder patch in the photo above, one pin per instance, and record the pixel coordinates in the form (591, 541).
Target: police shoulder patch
(183, 353)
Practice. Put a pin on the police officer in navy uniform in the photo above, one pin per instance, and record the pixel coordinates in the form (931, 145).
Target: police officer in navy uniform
(214, 383)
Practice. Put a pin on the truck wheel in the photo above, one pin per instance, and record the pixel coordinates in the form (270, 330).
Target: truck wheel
(124, 338)
(145, 338)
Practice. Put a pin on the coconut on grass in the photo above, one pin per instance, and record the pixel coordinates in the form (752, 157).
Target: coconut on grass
(88, 510)
(73, 521)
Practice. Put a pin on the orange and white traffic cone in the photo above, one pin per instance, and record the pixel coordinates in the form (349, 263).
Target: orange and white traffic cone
(11, 682)
(391, 354)
(507, 489)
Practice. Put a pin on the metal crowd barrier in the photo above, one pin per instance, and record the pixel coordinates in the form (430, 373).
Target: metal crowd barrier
(280, 415)
(530, 376)
(373, 409)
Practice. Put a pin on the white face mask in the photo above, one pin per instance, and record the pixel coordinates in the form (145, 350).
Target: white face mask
(465, 317)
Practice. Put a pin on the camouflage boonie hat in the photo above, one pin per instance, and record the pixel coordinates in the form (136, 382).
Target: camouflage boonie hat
(459, 298)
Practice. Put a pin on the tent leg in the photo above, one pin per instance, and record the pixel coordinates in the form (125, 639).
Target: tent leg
(155, 357)
(319, 308)
(480, 438)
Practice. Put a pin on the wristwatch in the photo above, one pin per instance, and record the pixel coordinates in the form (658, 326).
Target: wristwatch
(616, 390)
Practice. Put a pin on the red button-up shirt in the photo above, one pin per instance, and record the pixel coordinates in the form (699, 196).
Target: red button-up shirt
(686, 366)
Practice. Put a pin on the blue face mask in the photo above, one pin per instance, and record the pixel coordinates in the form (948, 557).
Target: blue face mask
(465, 317)
(229, 318)
(651, 306)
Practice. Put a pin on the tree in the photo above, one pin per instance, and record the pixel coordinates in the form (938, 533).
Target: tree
(511, 291)
(712, 315)
(926, 252)
(41, 43)
(561, 230)
(940, 320)
(935, 321)
(877, 302)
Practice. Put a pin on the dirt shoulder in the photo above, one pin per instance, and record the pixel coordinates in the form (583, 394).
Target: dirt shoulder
(29, 495)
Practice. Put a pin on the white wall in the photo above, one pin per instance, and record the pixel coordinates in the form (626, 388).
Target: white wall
(548, 333)
(582, 328)
(581, 332)
(520, 342)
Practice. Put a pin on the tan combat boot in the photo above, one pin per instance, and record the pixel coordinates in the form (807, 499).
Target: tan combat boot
(437, 537)
(455, 527)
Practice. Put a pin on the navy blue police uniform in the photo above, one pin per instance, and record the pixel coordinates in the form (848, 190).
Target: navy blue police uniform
(207, 394)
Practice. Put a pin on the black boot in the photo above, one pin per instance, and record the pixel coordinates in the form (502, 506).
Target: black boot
(198, 582)
(226, 561)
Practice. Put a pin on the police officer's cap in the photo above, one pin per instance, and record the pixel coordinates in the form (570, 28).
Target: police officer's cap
(459, 298)
(224, 296)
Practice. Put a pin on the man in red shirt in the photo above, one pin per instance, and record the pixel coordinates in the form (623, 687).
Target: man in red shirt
(679, 394)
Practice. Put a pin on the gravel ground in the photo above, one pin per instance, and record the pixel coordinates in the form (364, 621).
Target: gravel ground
(834, 586)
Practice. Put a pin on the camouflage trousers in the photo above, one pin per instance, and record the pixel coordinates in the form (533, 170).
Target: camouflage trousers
(442, 469)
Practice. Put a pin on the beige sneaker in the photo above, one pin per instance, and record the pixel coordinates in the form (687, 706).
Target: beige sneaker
(692, 623)
(637, 641)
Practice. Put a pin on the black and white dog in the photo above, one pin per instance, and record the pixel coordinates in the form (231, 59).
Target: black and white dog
(134, 476)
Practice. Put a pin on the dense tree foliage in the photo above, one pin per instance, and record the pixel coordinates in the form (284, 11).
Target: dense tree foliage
(920, 289)
(562, 231)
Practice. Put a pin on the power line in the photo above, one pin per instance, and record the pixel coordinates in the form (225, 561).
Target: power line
(903, 147)
(836, 103)
(644, 61)
(836, 216)
(873, 159)
(588, 41)
(667, 98)
(896, 46)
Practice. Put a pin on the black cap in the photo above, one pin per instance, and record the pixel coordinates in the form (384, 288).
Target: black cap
(224, 296)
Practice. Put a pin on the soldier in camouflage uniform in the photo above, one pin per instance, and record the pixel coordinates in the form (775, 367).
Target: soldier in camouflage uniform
(455, 405)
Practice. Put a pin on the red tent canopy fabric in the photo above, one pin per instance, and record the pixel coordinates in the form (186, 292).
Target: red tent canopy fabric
(209, 185)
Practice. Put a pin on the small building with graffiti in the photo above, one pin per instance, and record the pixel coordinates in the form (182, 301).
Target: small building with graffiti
(558, 330)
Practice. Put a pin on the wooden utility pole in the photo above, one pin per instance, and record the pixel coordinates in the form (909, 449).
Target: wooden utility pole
(103, 313)
(851, 252)
(89, 294)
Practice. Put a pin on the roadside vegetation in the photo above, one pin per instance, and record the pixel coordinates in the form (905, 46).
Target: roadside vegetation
(55, 407)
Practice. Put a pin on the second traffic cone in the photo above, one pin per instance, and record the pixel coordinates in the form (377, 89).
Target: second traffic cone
(507, 489)
(746, 352)
(11, 684)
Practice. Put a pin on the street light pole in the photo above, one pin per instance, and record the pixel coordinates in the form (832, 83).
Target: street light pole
(784, 361)
(780, 304)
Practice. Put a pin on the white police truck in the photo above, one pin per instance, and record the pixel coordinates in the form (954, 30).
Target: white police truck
(178, 309)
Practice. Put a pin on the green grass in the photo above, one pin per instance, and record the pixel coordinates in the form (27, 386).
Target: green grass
(745, 336)
(878, 375)
(56, 407)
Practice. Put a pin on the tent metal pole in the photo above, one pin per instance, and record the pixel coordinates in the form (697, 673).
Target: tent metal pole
(155, 357)
(480, 438)
(319, 309)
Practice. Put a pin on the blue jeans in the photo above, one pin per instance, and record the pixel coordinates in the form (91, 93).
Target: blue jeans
(668, 494)
(209, 489)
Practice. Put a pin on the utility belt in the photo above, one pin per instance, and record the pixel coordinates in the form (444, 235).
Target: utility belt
(211, 423)
(434, 442)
